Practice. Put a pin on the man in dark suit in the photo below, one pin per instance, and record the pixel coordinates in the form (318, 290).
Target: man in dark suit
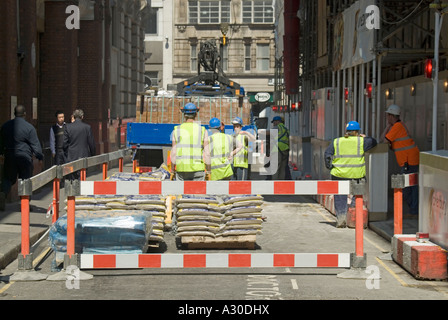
(18, 144)
(78, 140)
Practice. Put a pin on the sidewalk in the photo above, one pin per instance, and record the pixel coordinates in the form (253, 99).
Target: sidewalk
(10, 220)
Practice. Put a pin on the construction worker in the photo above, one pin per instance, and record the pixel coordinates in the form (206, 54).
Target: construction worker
(190, 151)
(221, 152)
(345, 158)
(406, 153)
(241, 159)
(282, 148)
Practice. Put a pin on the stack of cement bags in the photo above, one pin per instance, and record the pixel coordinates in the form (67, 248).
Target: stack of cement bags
(218, 216)
(198, 215)
(154, 205)
(242, 215)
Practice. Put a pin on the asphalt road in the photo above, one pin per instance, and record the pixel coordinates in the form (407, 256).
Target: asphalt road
(294, 225)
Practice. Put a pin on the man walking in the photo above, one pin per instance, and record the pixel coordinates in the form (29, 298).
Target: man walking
(18, 144)
(345, 158)
(78, 140)
(406, 153)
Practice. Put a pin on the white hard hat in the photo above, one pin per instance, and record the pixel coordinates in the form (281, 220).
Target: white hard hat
(393, 109)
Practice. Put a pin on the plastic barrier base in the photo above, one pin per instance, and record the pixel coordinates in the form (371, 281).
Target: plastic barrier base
(424, 260)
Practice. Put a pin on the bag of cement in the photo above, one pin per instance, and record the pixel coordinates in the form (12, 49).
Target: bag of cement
(150, 207)
(195, 233)
(84, 199)
(196, 199)
(145, 199)
(200, 211)
(247, 203)
(118, 205)
(238, 232)
(124, 176)
(109, 198)
(237, 210)
(197, 223)
(236, 198)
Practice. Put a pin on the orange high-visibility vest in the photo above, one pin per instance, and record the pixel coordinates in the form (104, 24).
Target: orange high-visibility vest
(403, 145)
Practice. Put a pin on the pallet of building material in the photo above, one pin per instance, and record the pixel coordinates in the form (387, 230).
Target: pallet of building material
(230, 242)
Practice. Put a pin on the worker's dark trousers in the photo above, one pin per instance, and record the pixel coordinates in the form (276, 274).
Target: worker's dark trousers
(410, 194)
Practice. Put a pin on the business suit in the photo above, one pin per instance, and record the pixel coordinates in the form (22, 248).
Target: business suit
(78, 142)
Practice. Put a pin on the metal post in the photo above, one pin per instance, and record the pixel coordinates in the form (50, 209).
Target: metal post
(56, 191)
(435, 81)
(120, 165)
(397, 183)
(104, 170)
(72, 189)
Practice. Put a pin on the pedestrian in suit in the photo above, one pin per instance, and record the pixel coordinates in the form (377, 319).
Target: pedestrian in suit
(18, 144)
(78, 140)
(57, 138)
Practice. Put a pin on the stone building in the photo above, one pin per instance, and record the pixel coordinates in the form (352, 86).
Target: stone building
(247, 55)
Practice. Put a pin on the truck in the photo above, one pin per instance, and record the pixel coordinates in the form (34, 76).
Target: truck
(211, 91)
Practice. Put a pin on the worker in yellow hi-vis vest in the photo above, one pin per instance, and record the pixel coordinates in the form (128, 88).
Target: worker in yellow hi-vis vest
(190, 151)
(345, 158)
(221, 152)
(281, 150)
(241, 166)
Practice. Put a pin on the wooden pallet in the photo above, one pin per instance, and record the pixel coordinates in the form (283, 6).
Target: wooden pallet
(231, 242)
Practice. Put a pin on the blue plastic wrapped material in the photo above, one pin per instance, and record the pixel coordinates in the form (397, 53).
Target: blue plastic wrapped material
(107, 231)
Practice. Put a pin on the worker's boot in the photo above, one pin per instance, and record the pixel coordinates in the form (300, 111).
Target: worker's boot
(341, 221)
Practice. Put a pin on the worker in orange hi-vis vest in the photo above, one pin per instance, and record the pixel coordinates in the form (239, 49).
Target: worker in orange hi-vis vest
(406, 153)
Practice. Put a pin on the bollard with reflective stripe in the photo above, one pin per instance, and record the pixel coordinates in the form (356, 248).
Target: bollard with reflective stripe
(398, 183)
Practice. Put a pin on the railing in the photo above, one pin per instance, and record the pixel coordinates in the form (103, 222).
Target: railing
(55, 174)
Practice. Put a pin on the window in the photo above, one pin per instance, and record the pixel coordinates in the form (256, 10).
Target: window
(194, 58)
(263, 57)
(258, 11)
(216, 11)
(151, 21)
(247, 59)
(224, 52)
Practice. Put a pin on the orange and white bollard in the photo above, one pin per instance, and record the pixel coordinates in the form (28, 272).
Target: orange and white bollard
(398, 183)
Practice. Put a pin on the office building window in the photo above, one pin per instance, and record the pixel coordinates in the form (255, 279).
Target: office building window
(247, 58)
(194, 58)
(258, 11)
(151, 21)
(263, 57)
(217, 11)
(224, 52)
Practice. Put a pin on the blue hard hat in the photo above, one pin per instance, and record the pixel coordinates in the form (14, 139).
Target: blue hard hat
(237, 120)
(276, 118)
(353, 126)
(215, 123)
(190, 108)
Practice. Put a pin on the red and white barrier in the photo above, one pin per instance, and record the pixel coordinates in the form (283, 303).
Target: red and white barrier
(215, 187)
(423, 259)
(215, 260)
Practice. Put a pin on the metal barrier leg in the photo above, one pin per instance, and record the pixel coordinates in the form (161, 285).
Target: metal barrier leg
(26, 271)
(71, 259)
(398, 211)
(83, 174)
(120, 165)
(359, 258)
(104, 170)
(56, 193)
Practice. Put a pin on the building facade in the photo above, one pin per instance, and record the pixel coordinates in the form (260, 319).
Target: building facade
(243, 33)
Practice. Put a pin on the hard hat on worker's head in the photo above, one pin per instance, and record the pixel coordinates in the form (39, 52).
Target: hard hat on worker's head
(215, 123)
(237, 120)
(393, 109)
(190, 108)
(277, 118)
(353, 126)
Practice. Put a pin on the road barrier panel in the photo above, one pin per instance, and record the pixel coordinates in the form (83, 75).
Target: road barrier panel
(356, 260)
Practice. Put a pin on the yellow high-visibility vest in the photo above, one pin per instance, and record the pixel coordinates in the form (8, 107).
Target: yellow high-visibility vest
(221, 146)
(241, 158)
(189, 139)
(348, 161)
